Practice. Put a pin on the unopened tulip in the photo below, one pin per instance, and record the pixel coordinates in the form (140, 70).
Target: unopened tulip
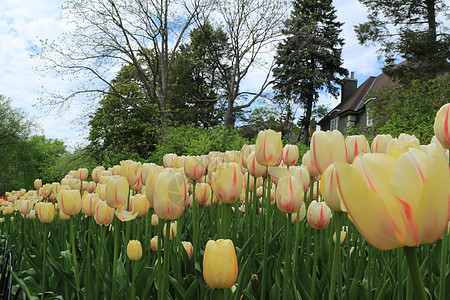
(213, 164)
(188, 247)
(155, 220)
(131, 170)
(202, 193)
(220, 268)
(134, 250)
(104, 214)
(152, 175)
(173, 229)
(46, 212)
(169, 160)
(380, 143)
(269, 148)
(318, 215)
(254, 168)
(96, 173)
(194, 169)
(91, 186)
(89, 204)
(329, 189)
(37, 184)
(406, 199)
(308, 163)
(441, 126)
(356, 144)
(70, 202)
(233, 156)
(245, 152)
(326, 148)
(342, 235)
(170, 195)
(117, 190)
(228, 182)
(302, 214)
(25, 206)
(290, 155)
(116, 170)
(289, 194)
(45, 190)
(140, 205)
(154, 243)
(83, 173)
(301, 172)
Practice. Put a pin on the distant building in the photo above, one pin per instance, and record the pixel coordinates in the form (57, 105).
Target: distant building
(355, 103)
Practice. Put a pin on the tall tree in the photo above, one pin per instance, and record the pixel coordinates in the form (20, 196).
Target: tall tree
(309, 59)
(411, 30)
(108, 34)
(252, 27)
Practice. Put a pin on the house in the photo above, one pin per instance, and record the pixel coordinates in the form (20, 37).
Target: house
(355, 102)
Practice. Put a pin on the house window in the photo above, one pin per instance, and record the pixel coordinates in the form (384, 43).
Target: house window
(369, 119)
(334, 123)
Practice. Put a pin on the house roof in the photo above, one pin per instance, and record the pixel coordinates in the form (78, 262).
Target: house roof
(358, 98)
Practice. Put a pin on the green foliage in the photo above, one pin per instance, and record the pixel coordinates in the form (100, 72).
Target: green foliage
(190, 140)
(409, 108)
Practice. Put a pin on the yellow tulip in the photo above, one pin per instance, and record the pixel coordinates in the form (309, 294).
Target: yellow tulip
(356, 144)
(301, 172)
(63, 216)
(406, 199)
(326, 148)
(318, 215)
(441, 125)
(202, 193)
(152, 175)
(37, 184)
(83, 173)
(328, 189)
(302, 211)
(380, 143)
(104, 214)
(169, 195)
(155, 220)
(96, 173)
(70, 202)
(173, 229)
(342, 235)
(131, 170)
(134, 250)
(289, 194)
(220, 268)
(397, 147)
(194, 169)
(308, 163)
(245, 152)
(117, 190)
(139, 204)
(154, 243)
(228, 182)
(290, 155)
(115, 170)
(25, 206)
(46, 212)
(169, 160)
(89, 204)
(254, 168)
(269, 148)
(188, 247)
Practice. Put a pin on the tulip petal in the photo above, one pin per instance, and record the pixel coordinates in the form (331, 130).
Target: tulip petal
(366, 208)
(125, 215)
(279, 172)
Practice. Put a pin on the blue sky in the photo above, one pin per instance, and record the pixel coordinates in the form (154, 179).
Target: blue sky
(23, 23)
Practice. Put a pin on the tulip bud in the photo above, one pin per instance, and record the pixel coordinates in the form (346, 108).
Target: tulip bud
(189, 249)
(308, 163)
(46, 212)
(155, 220)
(140, 205)
(380, 143)
(70, 202)
(117, 190)
(83, 173)
(170, 195)
(134, 250)
(441, 126)
(154, 243)
(89, 204)
(194, 168)
(169, 160)
(289, 195)
(326, 148)
(301, 172)
(25, 206)
(152, 175)
(104, 214)
(96, 173)
(342, 235)
(116, 170)
(290, 155)
(329, 191)
(173, 229)
(356, 144)
(318, 215)
(245, 152)
(254, 168)
(131, 170)
(220, 268)
(37, 184)
(269, 148)
(227, 182)
(202, 193)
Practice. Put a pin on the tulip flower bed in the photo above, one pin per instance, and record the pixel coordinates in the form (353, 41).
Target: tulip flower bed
(250, 224)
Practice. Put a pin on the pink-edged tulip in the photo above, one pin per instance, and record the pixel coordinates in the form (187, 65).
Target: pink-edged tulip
(188, 248)
(441, 126)
(245, 152)
(194, 169)
(397, 147)
(96, 173)
(83, 173)
(254, 167)
(154, 243)
(70, 202)
(155, 220)
(46, 212)
(169, 160)
(327, 148)
(139, 204)
(356, 144)
(302, 214)
(37, 184)
(318, 215)
(329, 189)
(308, 163)
(170, 195)
(134, 250)
(220, 268)
(406, 199)
(131, 170)
(152, 175)
(173, 230)
(269, 148)
(104, 214)
(25, 206)
(290, 155)
(380, 143)
(89, 203)
(228, 182)
(117, 190)
(125, 215)
(289, 194)
(202, 193)
(302, 174)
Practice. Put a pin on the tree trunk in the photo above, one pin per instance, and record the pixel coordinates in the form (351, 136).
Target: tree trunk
(431, 18)
(307, 120)
(229, 119)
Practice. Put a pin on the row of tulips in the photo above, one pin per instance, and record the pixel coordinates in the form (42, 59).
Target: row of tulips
(235, 223)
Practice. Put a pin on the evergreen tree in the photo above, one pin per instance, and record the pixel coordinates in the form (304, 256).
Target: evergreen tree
(309, 60)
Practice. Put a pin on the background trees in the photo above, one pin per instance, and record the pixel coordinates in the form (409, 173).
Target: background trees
(309, 58)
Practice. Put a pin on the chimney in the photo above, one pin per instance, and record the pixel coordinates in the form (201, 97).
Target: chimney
(350, 85)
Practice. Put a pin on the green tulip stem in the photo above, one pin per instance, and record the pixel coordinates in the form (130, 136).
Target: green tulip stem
(443, 267)
(74, 256)
(247, 210)
(159, 257)
(298, 236)
(266, 236)
(316, 257)
(99, 269)
(88, 256)
(44, 259)
(254, 207)
(194, 226)
(287, 257)
(166, 263)
(308, 228)
(115, 256)
(133, 279)
(336, 256)
(416, 277)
